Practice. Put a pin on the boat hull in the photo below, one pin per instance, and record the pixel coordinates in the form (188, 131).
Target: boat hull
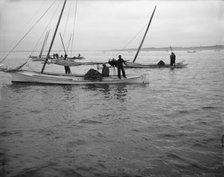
(153, 66)
(76, 58)
(34, 77)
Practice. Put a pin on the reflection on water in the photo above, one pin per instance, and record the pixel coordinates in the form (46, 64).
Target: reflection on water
(121, 93)
(109, 91)
(20, 87)
(67, 88)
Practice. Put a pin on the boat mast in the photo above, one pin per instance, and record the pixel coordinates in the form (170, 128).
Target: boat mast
(45, 40)
(63, 44)
(55, 32)
(144, 35)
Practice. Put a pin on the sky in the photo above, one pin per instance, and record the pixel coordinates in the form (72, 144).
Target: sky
(112, 24)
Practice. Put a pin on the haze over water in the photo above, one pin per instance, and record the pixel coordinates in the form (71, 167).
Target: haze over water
(170, 127)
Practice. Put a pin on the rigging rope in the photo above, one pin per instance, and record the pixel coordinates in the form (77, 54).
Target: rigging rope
(133, 37)
(43, 45)
(73, 33)
(65, 27)
(130, 41)
(3, 59)
(138, 33)
(45, 29)
(69, 10)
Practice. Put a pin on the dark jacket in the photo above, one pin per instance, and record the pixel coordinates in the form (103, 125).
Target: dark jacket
(172, 59)
(120, 62)
(105, 71)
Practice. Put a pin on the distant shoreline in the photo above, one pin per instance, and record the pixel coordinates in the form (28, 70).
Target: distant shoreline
(188, 49)
(196, 48)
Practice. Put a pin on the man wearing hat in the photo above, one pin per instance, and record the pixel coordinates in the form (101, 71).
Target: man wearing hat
(120, 67)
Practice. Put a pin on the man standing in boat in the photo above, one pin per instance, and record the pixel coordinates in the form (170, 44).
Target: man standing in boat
(172, 59)
(120, 67)
(67, 68)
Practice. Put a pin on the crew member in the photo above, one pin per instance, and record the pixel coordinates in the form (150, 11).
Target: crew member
(120, 67)
(67, 68)
(105, 71)
(172, 59)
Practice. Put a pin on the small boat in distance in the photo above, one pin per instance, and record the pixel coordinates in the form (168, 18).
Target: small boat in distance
(57, 57)
(79, 57)
(191, 51)
(52, 58)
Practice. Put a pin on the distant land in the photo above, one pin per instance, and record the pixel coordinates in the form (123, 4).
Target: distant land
(190, 49)
(187, 49)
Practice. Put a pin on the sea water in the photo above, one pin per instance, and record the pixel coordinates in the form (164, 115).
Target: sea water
(169, 127)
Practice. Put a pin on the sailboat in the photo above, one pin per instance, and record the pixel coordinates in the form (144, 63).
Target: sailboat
(139, 65)
(25, 76)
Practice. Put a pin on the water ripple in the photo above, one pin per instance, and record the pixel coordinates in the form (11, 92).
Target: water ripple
(171, 127)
